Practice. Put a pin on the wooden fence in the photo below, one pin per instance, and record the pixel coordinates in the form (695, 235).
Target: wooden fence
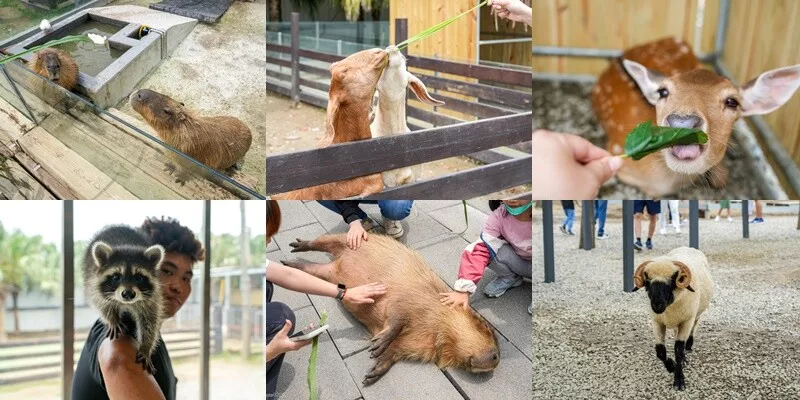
(501, 106)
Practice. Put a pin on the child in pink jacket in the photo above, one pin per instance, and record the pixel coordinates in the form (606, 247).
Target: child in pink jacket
(504, 246)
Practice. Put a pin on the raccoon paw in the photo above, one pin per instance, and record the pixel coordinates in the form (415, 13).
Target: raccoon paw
(114, 331)
(147, 363)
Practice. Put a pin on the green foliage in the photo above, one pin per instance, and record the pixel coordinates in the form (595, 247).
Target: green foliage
(312, 361)
(27, 263)
(647, 138)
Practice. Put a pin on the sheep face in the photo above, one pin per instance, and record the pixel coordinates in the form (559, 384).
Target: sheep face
(662, 281)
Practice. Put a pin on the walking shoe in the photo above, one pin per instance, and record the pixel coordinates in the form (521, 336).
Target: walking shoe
(369, 224)
(530, 309)
(730, 219)
(499, 285)
(563, 229)
(570, 233)
(663, 231)
(677, 229)
(637, 245)
(716, 219)
(649, 244)
(604, 236)
(757, 221)
(393, 228)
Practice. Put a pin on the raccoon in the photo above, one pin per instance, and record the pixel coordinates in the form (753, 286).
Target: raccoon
(120, 270)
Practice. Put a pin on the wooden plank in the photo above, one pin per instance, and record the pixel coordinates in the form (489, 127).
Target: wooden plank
(278, 61)
(494, 74)
(279, 48)
(470, 107)
(83, 178)
(16, 182)
(316, 85)
(304, 97)
(13, 124)
(314, 70)
(278, 75)
(319, 56)
(431, 117)
(306, 168)
(509, 97)
(468, 184)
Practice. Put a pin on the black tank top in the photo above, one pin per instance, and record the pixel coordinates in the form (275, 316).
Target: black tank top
(88, 382)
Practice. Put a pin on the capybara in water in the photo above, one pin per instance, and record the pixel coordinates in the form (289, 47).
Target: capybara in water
(219, 142)
(56, 66)
(409, 322)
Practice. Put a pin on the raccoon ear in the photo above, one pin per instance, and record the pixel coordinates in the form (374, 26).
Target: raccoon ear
(155, 254)
(101, 252)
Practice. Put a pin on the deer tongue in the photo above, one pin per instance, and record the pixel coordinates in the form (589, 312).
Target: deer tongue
(686, 151)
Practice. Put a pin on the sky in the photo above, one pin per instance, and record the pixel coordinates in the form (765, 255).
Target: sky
(45, 217)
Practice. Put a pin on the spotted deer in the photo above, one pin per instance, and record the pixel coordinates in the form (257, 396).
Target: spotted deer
(662, 82)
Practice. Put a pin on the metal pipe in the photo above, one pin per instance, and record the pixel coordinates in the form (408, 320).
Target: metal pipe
(205, 305)
(67, 301)
(745, 217)
(722, 27)
(698, 25)
(587, 224)
(547, 239)
(573, 78)
(19, 95)
(501, 41)
(694, 224)
(627, 245)
(594, 53)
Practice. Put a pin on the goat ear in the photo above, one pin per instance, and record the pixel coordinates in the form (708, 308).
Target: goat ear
(330, 117)
(648, 80)
(638, 276)
(684, 278)
(770, 90)
(421, 91)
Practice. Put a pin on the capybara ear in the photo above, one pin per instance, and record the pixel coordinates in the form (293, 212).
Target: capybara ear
(638, 276)
(421, 91)
(684, 278)
(101, 252)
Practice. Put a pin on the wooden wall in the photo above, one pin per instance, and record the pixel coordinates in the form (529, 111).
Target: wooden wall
(455, 42)
(508, 53)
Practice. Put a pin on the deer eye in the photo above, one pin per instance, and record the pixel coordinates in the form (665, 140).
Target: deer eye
(730, 102)
(663, 93)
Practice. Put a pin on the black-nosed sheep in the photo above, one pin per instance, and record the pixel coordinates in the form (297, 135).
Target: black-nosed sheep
(680, 289)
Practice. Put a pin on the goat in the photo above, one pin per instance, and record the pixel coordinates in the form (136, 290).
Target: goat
(390, 113)
(674, 91)
(680, 289)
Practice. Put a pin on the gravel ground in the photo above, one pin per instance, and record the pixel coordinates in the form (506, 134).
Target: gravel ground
(590, 339)
(567, 107)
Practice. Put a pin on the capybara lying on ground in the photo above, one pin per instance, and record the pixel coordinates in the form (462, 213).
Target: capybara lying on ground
(219, 142)
(57, 66)
(409, 322)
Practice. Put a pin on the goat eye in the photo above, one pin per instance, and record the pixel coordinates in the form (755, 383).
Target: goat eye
(730, 102)
(663, 93)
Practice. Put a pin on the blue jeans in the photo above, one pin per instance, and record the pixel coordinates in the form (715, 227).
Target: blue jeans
(277, 314)
(570, 212)
(600, 208)
(390, 209)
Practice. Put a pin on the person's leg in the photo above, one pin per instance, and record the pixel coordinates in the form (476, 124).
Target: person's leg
(270, 289)
(600, 213)
(662, 222)
(392, 212)
(760, 209)
(637, 226)
(570, 219)
(277, 314)
(331, 205)
(675, 210)
(510, 269)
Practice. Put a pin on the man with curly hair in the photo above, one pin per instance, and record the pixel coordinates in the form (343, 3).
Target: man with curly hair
(107, 369)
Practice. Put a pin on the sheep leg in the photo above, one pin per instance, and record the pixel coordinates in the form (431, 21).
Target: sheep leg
(690, 340)
(661, 350)
(684, 330)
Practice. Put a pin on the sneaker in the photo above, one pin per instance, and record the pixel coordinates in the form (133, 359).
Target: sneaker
(570, 233)
(393, 228)
(678, 229)
(649, 244)
(499, 285)
(604, 236)
(757, 221)
(716, 219)
(730, 219)
(369, 224)
(530, 309)
(637, 245)
(663, 231)
(563, 229)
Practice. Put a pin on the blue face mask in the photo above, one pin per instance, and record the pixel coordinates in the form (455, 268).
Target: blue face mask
(518, 210)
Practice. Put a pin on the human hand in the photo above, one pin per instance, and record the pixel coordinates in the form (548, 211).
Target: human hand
(569, 167)
(355, 235)
(455, 299)
(364, 294)
(512, 10)
(281, 343)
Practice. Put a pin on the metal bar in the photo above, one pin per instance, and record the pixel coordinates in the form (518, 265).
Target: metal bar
(503, 41)
(594, 53)
(694, 224)
(67, 302)
(627, 245)
(547, 238)
(295, 59)
(587, 233)
(205, 304)
(745, 217)
(722, 27)
(698, 24)
(19, 95)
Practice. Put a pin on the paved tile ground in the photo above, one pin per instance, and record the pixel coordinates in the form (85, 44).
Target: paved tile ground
(434, 228)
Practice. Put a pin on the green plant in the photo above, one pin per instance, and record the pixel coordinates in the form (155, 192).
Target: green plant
(430, 31)
(312, 361)
(647, 138)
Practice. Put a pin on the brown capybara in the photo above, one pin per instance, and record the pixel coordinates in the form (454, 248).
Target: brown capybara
(218, 142)
(57, 66)
(353, 84)
(409, 322)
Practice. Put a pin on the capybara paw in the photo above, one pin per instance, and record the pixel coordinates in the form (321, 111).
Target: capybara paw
(169, 168)
(114, 331)
(147, 363)
(300, 245)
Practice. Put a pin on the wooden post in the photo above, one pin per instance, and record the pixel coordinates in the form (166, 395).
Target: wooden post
(67, 302)
(295, 59)
(627, 245)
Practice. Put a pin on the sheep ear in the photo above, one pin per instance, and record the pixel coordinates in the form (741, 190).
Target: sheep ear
(421, 91)
(638, 276)
(101, 253)
(684, 278)
(690, 288)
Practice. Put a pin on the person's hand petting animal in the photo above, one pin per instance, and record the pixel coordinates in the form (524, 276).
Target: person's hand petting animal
(356, 234)
(569, 167)
(512, 10)
(455, 299)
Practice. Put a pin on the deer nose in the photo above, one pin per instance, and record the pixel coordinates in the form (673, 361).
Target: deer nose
(684, 121)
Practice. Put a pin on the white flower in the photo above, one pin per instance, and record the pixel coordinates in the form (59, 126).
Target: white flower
(97, 39)
(45, 25)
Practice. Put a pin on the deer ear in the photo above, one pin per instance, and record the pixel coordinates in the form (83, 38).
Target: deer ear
(770, 90)
(421, 91)
(648, 80)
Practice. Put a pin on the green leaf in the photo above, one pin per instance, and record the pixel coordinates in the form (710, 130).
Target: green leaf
(647, 138)
(312, 361)
(437, 27)
(65, 39)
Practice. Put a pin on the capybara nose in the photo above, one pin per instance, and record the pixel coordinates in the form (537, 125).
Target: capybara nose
(128, 294)
(684, 121)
